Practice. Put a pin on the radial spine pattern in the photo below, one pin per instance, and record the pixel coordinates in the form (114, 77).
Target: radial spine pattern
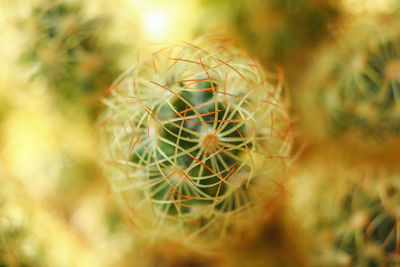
(196, 133)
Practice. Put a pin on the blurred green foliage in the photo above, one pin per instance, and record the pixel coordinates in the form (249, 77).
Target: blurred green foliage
(282, 32)
(18, 245)
(365, 231)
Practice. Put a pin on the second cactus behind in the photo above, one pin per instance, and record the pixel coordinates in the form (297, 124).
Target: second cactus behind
(355, 86)
(70, 52)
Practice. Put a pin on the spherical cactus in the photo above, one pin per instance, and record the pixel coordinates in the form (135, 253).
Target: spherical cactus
(364, 230)
(366, 93)
(353, 214)
(196, 134)
(354, 86)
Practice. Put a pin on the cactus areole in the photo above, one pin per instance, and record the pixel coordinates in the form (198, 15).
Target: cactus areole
(196, 131)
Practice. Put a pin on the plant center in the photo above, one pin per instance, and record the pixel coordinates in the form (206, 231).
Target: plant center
(210, 142)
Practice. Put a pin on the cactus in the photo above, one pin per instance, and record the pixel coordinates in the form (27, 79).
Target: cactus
(67, 50)
(362, 231)
(196, 134)
(354, 214)
(354, 86)
(18, 244)
(365, 90)
(365, 231)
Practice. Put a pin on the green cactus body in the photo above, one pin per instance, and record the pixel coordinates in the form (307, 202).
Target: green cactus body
(365, 231)
(354, 214)
(196, 133)
(362, 90)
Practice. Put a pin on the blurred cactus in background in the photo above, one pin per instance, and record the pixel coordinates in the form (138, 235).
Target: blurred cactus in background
(353, 211)
(365, 231)
(362, 91)
(196, 136)
(353, 88)
(68, 50)
(353, 216)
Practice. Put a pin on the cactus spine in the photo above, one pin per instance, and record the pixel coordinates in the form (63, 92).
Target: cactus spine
(196, 134)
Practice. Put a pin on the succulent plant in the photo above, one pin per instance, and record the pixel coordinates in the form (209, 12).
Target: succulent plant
(365, 231)
(354, 86)
(67, 49)
(196, 134)
(354, 215)
(364, 90)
